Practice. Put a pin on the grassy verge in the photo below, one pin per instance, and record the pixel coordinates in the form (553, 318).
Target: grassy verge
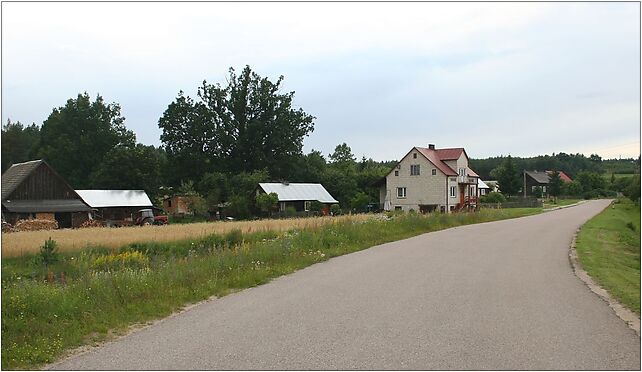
(560, 203)
(608, 247)
(104, 290)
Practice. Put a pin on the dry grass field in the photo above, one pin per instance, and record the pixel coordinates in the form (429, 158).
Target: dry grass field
(28, 242)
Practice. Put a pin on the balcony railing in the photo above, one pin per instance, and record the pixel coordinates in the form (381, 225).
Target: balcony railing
(466, 179)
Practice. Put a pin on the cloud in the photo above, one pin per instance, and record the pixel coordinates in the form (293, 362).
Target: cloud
(380, 76)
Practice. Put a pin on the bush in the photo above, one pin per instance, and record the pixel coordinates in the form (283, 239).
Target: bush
(234, 238)
(630, 225)
(493, 197)
(290, 211)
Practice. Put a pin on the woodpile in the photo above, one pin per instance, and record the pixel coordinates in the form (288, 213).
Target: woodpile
(7, 227)
(92, 223)
(35, 225)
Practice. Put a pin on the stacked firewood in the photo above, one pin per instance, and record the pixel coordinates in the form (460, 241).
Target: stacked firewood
(35, 224)
(7, 227)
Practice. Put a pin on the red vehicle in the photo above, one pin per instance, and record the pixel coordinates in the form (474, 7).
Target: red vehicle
(146, 217)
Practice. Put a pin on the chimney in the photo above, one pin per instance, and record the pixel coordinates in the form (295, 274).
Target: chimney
(431, 146)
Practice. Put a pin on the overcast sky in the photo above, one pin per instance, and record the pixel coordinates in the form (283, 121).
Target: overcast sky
(496, 78)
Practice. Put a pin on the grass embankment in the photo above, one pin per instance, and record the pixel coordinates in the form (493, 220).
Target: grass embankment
(608, 247)
(71, 240)
(105, 291)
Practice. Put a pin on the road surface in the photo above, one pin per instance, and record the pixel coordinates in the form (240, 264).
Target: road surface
(498, 295)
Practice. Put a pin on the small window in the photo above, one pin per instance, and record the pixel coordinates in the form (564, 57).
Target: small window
(453, 191)
(396, 173)
(452, 208)
(414, 156)
(397, 207)
(401, 192)
(462, 171)
(434, 172)
(306, 205)
(169, 203)
(414, 170)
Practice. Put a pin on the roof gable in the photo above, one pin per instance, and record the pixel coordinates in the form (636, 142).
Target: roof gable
(451, 154)
(298, 191)
(16, 174)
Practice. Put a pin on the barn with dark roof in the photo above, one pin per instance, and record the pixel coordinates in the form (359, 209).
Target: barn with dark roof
(34, 190)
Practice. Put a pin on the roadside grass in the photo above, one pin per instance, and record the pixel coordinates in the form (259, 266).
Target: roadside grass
(560, 203)
(107, 290)
(608, 247)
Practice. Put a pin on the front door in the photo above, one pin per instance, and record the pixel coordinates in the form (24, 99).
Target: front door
(461, 194)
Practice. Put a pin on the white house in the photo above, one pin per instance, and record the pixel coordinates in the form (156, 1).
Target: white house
(430, 179)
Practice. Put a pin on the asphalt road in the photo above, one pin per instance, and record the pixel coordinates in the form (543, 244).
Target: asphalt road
(498, 295)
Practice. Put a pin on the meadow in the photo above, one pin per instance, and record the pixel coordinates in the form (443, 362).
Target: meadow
(53, 303)
(608, 248)
(71, 240)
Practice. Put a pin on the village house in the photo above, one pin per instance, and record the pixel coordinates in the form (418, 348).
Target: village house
(298, 195)
(34, 190)
(430, 179)
(541, 179)
(178, 205)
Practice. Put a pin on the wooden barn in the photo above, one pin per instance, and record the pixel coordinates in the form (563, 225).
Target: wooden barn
(34, 190)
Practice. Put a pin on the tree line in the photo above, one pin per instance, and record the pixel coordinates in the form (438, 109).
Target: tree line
(218, 146)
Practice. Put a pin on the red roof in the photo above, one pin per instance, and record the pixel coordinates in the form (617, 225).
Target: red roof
(450, 154)
(432, 156)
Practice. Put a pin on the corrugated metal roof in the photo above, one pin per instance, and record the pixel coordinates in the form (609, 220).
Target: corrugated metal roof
(17, 173)
(52, 206)
(299, 191)
(115, 198)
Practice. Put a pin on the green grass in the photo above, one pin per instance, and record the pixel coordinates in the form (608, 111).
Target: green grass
(560, 203)
(105, 292)
(608, 248)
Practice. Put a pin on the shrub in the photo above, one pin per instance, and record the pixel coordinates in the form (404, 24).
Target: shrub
(290, 211)
(630, 225)
(493, 197)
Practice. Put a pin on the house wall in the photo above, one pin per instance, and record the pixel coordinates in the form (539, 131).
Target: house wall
(424, 189)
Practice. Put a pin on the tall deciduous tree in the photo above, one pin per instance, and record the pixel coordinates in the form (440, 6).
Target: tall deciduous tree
(247, 125)
(138, 167)
(19, 143)
(76, 137)
(508, 177)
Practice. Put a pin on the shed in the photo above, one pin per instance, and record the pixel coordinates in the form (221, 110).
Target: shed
(117, 206)
(298, 195)
(34, 190)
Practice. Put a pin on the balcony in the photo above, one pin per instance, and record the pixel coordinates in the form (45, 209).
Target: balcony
(467, 180)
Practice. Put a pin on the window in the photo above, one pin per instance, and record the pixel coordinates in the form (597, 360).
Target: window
(414, 170)
(452, 208)
(434, 172)
(453, 191)
(414, 156)
(462, 171)
(169, 203)
(401, 192)
(397, 208)
(306, 205)
(396, 173)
